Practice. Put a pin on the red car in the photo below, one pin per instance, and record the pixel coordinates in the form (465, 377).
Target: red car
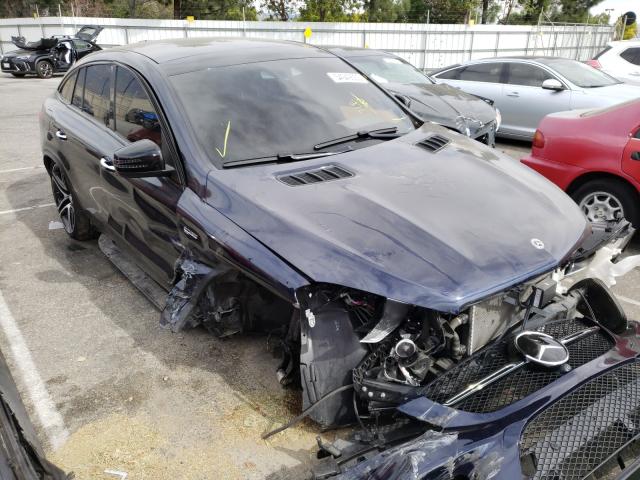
(594, 156)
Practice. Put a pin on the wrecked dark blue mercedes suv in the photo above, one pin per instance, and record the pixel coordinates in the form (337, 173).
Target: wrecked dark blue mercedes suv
(449, 302)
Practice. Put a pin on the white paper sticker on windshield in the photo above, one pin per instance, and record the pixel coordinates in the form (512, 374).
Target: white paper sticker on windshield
(346, 77)
(391, 60)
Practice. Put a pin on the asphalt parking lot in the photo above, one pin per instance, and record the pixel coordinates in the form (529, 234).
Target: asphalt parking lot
(107, 388)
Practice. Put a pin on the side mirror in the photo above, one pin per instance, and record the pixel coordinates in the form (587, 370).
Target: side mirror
(552, 84)
(140, 159)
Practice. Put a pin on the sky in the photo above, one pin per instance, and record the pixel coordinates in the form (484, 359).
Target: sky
(619, 7)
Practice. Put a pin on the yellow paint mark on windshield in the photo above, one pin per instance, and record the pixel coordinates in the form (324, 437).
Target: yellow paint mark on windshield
(226, 137)
(359, 102)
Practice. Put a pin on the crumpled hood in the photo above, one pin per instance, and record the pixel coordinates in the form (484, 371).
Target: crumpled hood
(438, 230)
(442, 104)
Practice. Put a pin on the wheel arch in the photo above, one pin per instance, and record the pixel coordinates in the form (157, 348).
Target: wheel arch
(48, 162)
(585, 178)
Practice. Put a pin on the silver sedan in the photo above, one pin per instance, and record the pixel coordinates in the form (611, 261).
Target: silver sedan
(525, 89)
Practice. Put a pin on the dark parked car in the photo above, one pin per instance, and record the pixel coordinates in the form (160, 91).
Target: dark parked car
(468, 114)
(49, 55)
(452, 301)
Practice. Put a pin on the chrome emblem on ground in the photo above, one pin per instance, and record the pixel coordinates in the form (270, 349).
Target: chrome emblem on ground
(542, 349)
(537, 243)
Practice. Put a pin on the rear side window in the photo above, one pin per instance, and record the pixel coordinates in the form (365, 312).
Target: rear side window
(66, 91)
(136, 118)
(482, 72)
(631, 55)
(528, 75)
(78, 91)
(97, 93)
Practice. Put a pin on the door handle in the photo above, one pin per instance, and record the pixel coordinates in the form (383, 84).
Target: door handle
(107, 164)
(635, 156)
(513, 94)
(61, 135)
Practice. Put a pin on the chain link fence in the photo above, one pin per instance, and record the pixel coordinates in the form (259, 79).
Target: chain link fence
(426, 46)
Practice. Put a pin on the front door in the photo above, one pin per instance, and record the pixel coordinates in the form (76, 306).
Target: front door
(142, 211)
(83, 135)
(524, 102)
(64, 55)
(631, 157)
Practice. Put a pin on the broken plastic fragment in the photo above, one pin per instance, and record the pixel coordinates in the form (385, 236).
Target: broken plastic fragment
(190, 280)
(601, 266)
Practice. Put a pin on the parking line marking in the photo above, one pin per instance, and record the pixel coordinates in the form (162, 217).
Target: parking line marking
(24, 209)
(21, 169)
(628, 300)
(45, 408)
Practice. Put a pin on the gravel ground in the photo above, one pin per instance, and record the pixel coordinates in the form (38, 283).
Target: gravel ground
(128, 395)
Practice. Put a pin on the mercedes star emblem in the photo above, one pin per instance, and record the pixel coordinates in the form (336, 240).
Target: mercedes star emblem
(542, 349)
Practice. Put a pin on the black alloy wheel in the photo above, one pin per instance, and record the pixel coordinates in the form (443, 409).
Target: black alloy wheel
(44, 69)
(74, 220)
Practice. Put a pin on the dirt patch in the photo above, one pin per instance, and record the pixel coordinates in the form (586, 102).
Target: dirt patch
(220, 440)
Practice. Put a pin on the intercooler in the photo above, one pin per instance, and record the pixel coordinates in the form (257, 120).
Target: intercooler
(586, 429)
(520, 383)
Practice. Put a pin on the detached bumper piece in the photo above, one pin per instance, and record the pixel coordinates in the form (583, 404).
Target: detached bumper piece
(589, 432)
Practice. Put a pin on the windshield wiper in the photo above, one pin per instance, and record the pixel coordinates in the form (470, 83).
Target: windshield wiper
(280, 158)
(381, 133)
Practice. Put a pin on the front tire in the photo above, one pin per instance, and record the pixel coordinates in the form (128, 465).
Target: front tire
(607, 198)
(74, 220)
(44, 69)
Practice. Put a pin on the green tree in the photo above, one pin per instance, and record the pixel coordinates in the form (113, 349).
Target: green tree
(26, 8)
(386, 10)
(441, 11)
(282, 10)
(571, 11)
(575, 11)
(329, 10)
(216, 9)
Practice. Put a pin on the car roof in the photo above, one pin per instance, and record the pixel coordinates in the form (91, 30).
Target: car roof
(350, 52)
(197, 53)
(529, 58)
(633, 42)
(543, 60)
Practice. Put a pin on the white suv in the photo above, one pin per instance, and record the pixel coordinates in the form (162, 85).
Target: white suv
(620, 60)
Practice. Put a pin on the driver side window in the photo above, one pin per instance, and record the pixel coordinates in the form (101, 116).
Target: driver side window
(527, 75)
(135, 115)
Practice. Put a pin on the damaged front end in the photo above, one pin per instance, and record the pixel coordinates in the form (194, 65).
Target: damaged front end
(434, 377)
(448, 394)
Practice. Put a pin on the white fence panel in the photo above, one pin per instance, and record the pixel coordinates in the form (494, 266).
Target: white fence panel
(426, 46)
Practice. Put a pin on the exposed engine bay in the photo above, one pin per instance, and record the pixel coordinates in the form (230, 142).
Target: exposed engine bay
(338, 341)
(391, 352)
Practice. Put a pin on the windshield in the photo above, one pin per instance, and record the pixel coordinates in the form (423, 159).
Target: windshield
(580, 74)
(384, 69)
(262, 109)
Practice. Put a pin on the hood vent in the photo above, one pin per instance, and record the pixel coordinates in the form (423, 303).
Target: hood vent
(434, 143)
(317, 175)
